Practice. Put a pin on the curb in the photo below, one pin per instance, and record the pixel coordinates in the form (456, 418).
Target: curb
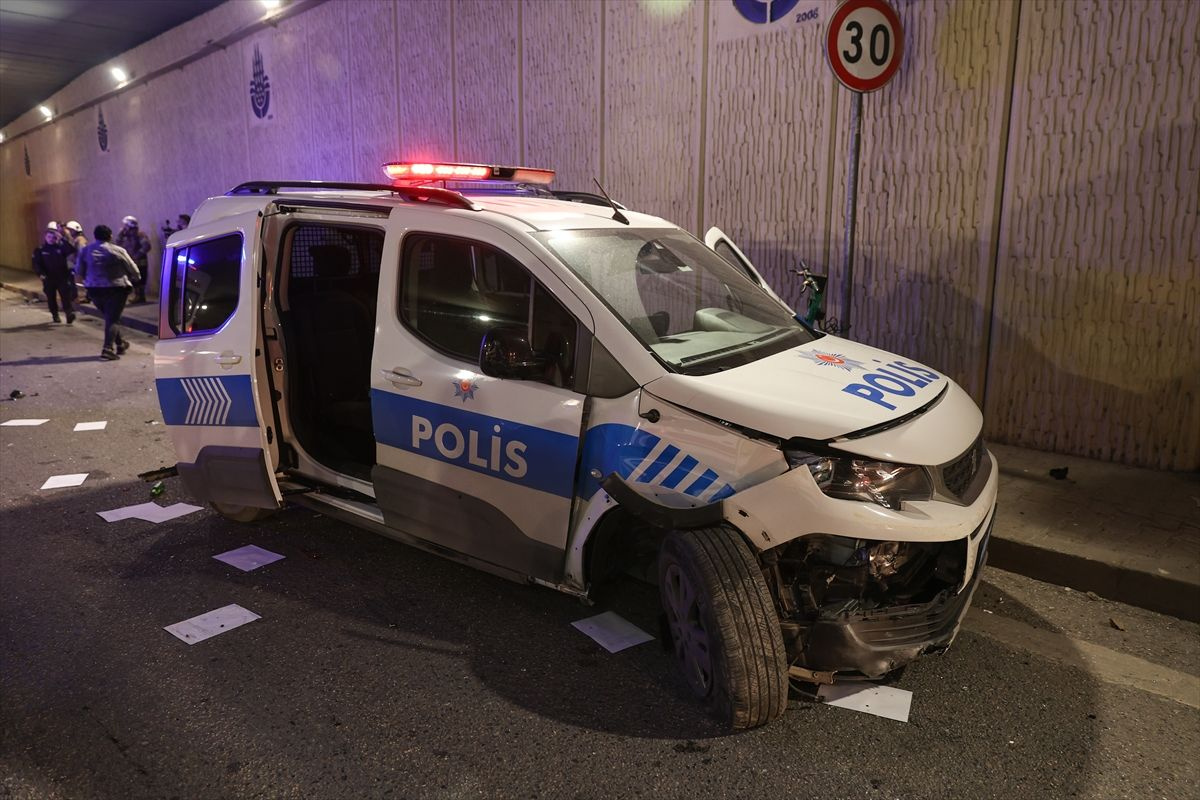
(1159, 593)
(87, 308)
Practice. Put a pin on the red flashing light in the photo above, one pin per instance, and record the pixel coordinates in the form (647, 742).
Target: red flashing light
(399, 171)
(426, 171)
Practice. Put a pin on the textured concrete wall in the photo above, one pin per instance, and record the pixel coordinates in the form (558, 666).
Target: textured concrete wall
(1096, 345)
(1028, 197)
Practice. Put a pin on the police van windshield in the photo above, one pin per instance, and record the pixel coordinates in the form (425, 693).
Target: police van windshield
(696, 312)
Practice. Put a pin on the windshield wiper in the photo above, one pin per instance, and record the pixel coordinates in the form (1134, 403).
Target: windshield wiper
(732, 348)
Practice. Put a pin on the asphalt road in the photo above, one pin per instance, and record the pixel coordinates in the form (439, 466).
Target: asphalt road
(380, 671)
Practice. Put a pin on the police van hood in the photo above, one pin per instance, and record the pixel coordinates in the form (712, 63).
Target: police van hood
(820, 390)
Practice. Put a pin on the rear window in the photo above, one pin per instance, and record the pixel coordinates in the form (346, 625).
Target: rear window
(205, 280)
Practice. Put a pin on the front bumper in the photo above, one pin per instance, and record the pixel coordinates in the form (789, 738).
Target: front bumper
(868, 645)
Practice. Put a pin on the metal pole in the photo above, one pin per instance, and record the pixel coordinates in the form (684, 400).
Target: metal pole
(851, 210)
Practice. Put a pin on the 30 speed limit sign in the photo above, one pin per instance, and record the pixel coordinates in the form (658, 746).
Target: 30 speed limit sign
(864, 44)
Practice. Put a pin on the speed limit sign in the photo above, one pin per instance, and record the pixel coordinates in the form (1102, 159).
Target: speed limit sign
(864, 44)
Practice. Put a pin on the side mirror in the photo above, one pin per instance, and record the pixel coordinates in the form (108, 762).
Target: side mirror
(506, 353)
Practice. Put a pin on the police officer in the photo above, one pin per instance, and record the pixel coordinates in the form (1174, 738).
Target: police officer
(50, 263)
(137, 244)
(108, 273)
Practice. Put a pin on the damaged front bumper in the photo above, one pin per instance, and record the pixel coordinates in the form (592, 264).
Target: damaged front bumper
(865, 645)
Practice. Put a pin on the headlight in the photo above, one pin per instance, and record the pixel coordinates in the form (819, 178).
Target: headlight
(850, 478)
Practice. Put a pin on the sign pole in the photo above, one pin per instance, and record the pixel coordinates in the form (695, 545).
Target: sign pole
(851, 210)
(864, 45)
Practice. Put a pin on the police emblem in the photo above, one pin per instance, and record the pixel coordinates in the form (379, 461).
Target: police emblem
(102, 133)
(833, 360)
(465, 388)
(260, 87)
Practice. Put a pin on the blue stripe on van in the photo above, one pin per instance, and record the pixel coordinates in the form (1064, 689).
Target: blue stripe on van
(226, 400)
(682, 471)
(666, 457)
(511, 451)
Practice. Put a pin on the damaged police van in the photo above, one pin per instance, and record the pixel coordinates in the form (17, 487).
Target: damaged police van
(556, 389)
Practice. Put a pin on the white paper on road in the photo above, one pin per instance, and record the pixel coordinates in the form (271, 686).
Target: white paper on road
(206, 626)
(168, 513)
(91, 426)
(150, 512)
(613, 632)
(125, 512)
(63, 481)
(249, 557)
(882, 701)
(27, 423)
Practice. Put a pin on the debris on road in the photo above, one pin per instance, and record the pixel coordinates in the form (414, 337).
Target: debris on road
(612, 632)
(869, 698)
(208, 625)
(1113, 621)
(157, 489)
(1093, 596)
(15, 394)
(64, 481)
(248, 558)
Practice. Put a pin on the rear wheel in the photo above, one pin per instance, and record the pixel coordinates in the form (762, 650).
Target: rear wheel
(724, 630)
(243, 514)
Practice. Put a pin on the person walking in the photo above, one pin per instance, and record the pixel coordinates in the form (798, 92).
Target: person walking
(108, 274)
(137, 244)
(50, 263)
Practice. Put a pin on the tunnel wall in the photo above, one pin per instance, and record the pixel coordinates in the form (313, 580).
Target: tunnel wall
(1028, 192)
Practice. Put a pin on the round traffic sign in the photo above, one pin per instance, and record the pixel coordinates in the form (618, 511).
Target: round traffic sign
(864, 44)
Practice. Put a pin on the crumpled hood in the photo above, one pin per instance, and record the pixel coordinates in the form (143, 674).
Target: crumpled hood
(820, 390)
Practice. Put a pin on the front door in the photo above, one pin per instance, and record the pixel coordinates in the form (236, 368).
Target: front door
(724, 247)
(480, 465)
(207, 374)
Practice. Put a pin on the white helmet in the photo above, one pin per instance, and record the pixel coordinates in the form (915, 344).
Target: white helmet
(52, 225)
(74, 227)
(130, 221)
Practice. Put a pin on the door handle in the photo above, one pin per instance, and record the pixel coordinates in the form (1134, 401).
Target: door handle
(228, 359)
(400, 377)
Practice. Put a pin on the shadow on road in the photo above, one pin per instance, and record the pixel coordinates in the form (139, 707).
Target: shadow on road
(391, 644)
(43, 360)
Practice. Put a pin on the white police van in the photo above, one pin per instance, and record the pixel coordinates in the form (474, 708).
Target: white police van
(554, 389)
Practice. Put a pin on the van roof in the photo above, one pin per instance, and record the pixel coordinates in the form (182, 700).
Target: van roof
(534, 212)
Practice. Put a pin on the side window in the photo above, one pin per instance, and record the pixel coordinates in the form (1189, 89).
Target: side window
(204, 285)
(453, 290)
(726, 252)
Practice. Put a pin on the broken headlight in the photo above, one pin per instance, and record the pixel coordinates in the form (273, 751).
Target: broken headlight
(850, 478)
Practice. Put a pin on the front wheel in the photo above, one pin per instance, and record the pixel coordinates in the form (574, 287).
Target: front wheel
(242, 514)
(724, 629)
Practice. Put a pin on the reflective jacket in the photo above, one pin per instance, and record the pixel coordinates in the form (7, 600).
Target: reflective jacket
(136, 243)
(104, 264)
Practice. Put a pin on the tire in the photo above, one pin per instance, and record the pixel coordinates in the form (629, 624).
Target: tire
(242, 514)
(723, 626)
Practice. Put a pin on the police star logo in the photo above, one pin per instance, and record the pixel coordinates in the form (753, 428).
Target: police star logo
(833, 360)
(465, 389)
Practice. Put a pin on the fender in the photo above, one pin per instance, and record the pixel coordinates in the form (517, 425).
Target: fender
(650, 507)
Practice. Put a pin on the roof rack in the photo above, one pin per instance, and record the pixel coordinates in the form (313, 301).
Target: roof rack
(588, 198)
(422, 193)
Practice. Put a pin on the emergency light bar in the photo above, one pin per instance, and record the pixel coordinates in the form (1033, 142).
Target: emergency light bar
(408, 171)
